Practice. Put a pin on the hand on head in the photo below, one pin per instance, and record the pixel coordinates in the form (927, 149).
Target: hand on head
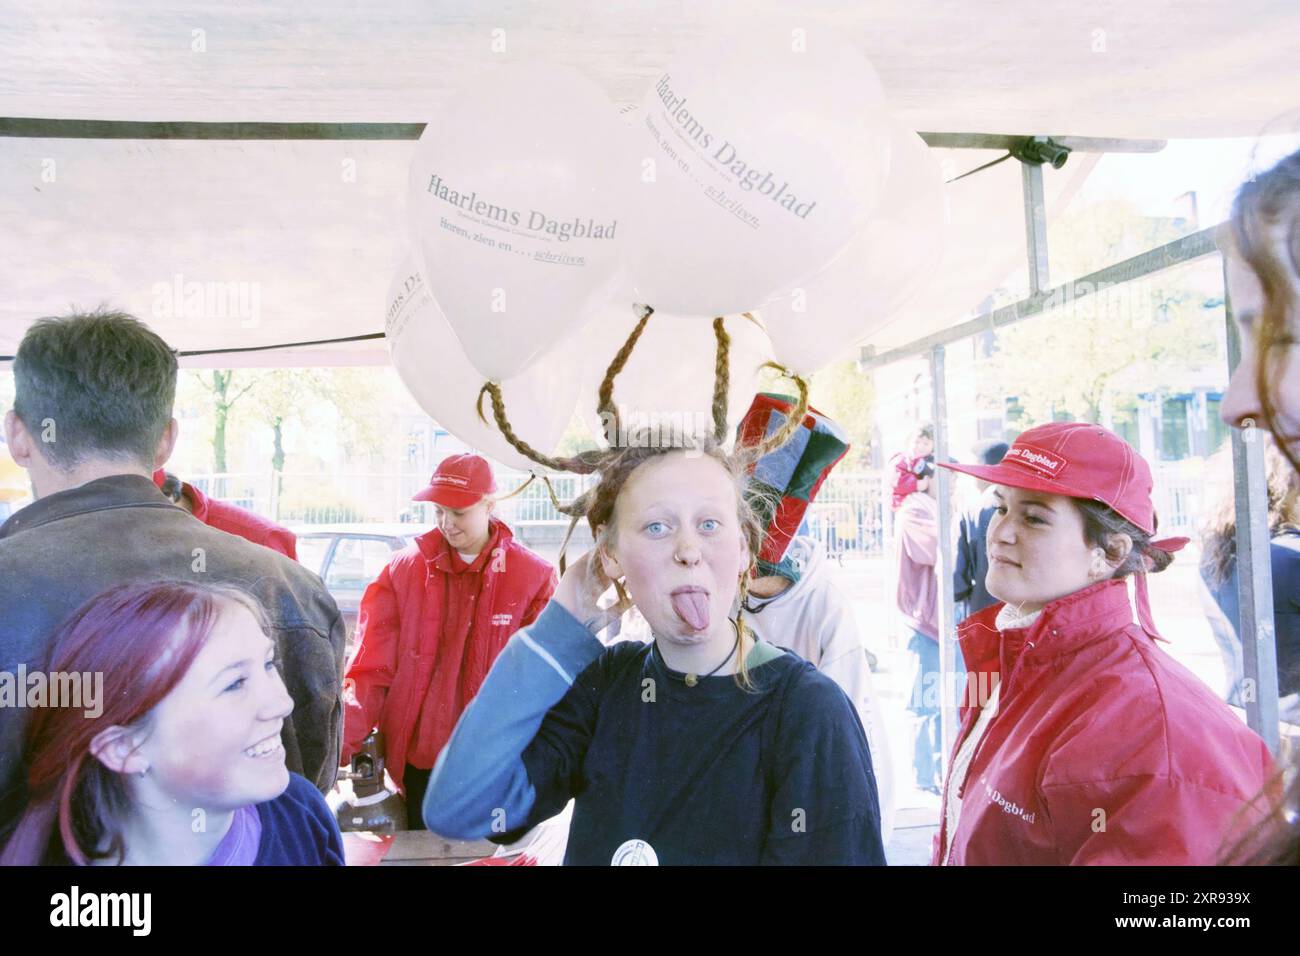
(580, 590)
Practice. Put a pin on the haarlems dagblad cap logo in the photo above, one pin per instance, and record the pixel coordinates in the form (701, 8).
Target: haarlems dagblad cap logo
(450, 480)
(635, 853)
(1045, 462)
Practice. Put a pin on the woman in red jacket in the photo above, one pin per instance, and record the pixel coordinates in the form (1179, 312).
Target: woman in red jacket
(431, 626)
(1082, 742)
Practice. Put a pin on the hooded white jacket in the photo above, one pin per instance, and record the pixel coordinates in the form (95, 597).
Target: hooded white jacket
(813, 619)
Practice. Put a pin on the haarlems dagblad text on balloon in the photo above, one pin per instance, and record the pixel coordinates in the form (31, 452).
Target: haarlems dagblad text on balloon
(727, 156)
(535, 220)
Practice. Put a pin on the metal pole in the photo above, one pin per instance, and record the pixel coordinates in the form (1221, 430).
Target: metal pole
(1177, 252)
(1255, 623)
(949, 691)
(1035, 227)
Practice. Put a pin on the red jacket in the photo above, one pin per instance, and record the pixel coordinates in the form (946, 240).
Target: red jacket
(1104, 749)
(235, 520)
(428, 631)
(247, 524)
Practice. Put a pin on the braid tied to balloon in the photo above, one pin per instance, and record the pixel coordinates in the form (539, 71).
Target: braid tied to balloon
(616, 463)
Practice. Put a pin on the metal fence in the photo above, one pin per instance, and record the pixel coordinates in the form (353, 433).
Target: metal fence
(850, 516)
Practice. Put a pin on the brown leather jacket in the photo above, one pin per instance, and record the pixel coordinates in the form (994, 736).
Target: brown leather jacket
(65, 548)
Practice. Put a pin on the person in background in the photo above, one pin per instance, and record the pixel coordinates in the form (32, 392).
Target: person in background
(91, 422)
(1082, 742)
(227, 517)
(971, 562)
(907, 466)
(1261, 252)
(793, 600)
(916, 545)
(177, 761)
(1219, 574)
(430, 627)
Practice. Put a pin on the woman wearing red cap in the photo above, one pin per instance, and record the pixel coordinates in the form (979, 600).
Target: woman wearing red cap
(431, 626)
(1082, 742)
(1261, 251)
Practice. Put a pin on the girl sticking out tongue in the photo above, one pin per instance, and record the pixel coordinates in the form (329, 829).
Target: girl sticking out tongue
(704, 746)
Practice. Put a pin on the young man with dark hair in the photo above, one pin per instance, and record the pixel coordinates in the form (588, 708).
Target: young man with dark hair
(92, 419)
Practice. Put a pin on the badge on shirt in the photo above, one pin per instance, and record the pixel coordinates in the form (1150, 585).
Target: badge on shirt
(635, 853)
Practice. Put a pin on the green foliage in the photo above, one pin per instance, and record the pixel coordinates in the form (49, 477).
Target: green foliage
(355, 406)
(1097, 353)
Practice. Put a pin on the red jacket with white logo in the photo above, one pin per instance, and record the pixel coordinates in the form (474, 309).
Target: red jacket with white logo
(428, 631)
(1104, 749)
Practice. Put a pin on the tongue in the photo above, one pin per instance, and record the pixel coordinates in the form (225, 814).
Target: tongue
(693, 608)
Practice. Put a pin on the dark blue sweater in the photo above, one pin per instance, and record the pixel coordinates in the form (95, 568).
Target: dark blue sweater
(708, 774)
(298, 829)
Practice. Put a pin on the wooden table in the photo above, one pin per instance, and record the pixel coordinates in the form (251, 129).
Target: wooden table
(413, 848)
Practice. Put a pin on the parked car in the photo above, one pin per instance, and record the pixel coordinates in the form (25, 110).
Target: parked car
(349, 556)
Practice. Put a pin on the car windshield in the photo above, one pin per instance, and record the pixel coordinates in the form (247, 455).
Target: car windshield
(312, 549)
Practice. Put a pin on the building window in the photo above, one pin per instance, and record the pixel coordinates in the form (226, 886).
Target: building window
(1175, 430)
(1217, 432)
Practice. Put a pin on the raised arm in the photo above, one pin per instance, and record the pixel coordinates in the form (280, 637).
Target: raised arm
(480, 785)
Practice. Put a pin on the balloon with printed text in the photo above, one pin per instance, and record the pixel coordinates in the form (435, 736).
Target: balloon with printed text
(436, 371)
(516, 196)
(761, 155)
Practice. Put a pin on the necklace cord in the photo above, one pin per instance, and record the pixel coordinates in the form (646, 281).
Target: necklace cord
(672, 674)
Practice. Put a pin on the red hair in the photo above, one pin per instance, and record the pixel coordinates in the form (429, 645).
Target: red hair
(142, 638)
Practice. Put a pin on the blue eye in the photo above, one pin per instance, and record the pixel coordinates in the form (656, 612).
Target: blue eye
(270, 665)
(655, 524)
(237, 685)
(711, 521)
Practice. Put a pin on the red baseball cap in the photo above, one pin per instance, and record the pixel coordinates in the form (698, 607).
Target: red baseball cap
(1078, 460)
(459, 482)
(1083, 460)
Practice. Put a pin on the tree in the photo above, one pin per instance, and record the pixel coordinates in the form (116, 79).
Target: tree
(1097, 352)
(350, 401)
(224, 397)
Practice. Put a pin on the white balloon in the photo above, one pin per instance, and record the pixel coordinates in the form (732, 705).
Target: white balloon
(667, 384)
(760, 160)
(438, 374)
(515, 193)
(876, 275)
